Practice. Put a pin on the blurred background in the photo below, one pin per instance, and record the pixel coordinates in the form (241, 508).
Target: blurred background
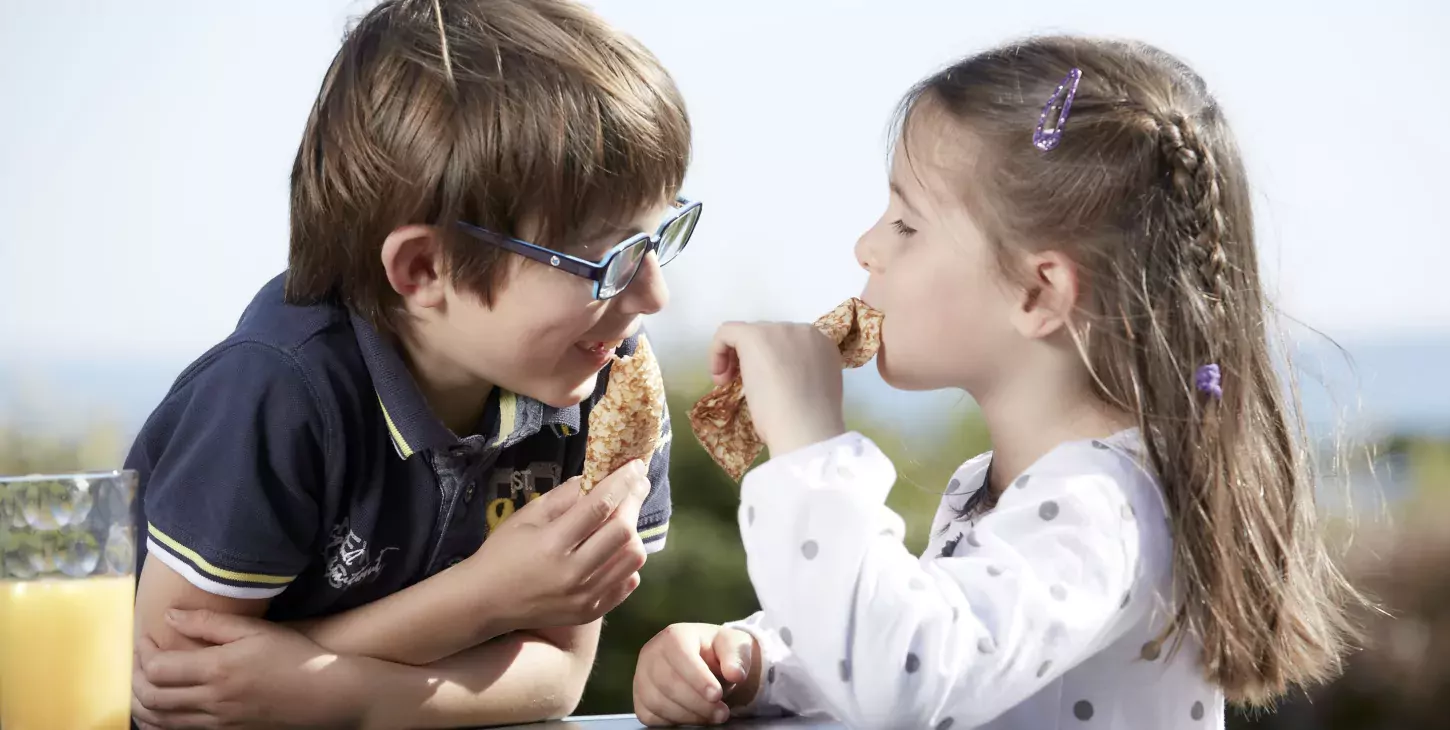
(145, 148)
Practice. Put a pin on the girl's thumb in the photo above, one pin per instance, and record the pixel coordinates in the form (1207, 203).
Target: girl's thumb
(734, 649)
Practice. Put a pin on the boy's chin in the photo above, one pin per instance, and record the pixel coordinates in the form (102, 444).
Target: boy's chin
(565, 395)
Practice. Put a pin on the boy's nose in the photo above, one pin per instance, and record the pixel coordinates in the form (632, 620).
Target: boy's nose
(647, 293)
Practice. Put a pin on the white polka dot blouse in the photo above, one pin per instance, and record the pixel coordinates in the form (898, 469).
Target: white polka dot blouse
(1042, 612)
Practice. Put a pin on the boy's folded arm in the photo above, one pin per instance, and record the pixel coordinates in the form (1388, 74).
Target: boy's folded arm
(421, 624)
(521, 677)
(161, 589)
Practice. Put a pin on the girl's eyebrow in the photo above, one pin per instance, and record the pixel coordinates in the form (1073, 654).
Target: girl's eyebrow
(902, 194)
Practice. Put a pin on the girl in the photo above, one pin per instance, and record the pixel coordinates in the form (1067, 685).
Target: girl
(1069, 239)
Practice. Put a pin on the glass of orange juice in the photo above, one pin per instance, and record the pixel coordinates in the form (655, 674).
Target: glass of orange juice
(67, 589)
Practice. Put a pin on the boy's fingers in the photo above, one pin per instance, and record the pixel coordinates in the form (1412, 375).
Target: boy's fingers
(213, 627)
(592, 510)
(733, 650)
(183, 668)
(552, 504)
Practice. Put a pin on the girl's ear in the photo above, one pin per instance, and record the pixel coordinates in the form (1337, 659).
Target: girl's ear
(413, 259)
(1049, 296)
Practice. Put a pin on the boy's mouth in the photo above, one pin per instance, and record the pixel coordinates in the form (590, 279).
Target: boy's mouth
(600, 350)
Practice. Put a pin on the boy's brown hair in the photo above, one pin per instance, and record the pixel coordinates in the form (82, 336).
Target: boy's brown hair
(487, 111)
(1147, 193)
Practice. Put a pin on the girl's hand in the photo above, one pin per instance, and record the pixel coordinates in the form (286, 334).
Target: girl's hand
(792, 378)
(690, 674)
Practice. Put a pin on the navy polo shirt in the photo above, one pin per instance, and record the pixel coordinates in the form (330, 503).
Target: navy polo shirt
(298, 461)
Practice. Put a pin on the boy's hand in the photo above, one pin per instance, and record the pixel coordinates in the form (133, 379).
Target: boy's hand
(792, 379)
(691, 674)
(252, 673)
(566, 558)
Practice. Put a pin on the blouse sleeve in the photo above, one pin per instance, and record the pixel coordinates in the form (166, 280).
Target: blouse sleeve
(873, 636)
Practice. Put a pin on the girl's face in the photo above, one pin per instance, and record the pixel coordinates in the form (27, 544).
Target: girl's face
(935, 276)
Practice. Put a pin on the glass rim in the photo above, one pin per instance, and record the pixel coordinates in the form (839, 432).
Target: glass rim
(63, 476)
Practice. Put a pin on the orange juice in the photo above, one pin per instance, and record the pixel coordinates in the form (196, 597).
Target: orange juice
(65, 654)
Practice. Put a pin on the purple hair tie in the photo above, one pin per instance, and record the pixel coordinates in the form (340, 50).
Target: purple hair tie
(1045, 139)
(1208, 380)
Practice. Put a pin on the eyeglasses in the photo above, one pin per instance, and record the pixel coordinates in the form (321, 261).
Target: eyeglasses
(616, 269)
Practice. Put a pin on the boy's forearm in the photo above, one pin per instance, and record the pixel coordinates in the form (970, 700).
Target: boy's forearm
(422, 624)
(518, 678)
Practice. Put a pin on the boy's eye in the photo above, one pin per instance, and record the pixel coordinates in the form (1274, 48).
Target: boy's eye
(902, 228)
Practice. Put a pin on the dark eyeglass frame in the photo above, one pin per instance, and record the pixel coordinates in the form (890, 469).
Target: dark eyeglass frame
(591, 270)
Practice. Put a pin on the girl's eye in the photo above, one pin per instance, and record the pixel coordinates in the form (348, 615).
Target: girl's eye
(902, 228)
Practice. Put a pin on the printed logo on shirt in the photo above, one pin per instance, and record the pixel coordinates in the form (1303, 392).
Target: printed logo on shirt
(348, 561)
(513, 488)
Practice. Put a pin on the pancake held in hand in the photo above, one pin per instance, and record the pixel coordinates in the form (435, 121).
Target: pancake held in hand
(625, 425)
(721, 419)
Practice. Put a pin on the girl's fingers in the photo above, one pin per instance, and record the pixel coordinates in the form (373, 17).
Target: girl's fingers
(667, 709)
(696, 691)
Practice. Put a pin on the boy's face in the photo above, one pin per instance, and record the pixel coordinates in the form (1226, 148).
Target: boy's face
(545, 336)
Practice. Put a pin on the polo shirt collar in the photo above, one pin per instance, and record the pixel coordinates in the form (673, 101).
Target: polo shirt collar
(508, 419)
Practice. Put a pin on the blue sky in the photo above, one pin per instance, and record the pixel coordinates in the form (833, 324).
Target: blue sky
(145, 147)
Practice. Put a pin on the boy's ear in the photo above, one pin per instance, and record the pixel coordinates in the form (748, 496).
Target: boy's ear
(1050, 295)
(413, 259)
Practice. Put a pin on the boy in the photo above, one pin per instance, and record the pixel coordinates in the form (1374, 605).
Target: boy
(468, 204)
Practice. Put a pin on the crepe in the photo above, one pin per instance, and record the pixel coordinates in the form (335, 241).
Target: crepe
(721, 420)
(626, 423)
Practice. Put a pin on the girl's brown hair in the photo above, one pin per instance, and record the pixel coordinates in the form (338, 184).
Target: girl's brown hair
(1147, 193)
(487, 111)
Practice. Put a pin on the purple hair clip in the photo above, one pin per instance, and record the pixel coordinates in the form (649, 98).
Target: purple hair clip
(1046, 139)
(1207, 379)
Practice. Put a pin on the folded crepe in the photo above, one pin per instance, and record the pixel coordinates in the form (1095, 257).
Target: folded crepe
(625, 424)
(721, 420)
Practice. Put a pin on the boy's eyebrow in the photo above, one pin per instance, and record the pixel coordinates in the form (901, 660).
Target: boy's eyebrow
(902, 194)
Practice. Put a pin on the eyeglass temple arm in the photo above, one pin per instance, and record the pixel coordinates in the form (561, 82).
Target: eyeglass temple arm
(563, 262)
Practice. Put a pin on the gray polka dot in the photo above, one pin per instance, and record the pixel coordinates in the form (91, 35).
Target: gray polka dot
(785, 635)
(985, 645)
(1083, 710)
(1022, 480)
(750, 515)
(944, 724)
(770, 675)
(887, 533)
(1048, 510)
(1058, 592)
(916, 585)
(845, 670)
(1151, 651)
(1042, 670)
(1126, 598)
(913, 663)
(953, 486)
(1197, 711)
(1100, 445)
(844, 472)
(972, 539)
(956, 613)
(993, 571)
(1128, 512)
(810, 549)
